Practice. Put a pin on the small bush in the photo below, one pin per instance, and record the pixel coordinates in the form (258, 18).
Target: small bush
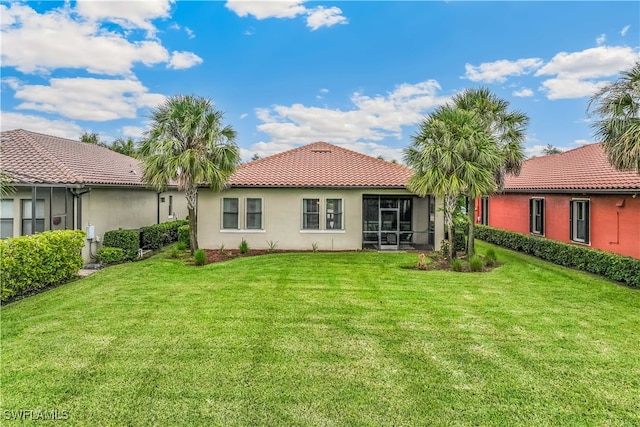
(127, 240)
(221, 249)
(174, 253)
(109, 255)
(183, 235)
(314, 247)
(444, 249)
(422, 262)
(273, 246)
(244, 247)
(181, 246)
(200, 257)
(613, 266)
(456, 264)
(475, 263)
(490, 258)
(158, 235)
(40, 260)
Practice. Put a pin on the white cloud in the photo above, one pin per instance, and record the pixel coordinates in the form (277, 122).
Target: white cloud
(69, 43)
(267, 9)
(498, 71)
(371, 120)
(189, 32)
(317, 17)
(61, 128)
(133, 131)
(182, 60)
(88, 98)
(624, 30)
(325, 17)
(131, 14)
(243, 116)
(324, 90)
(523, 93)
(601, 39)
(577, 72)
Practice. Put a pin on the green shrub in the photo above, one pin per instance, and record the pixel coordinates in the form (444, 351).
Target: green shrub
(181, 246)
(475, 263)
(244, 247)
(490, 258)
(456, 264)
(200, 257)
(175, 252)
(127, 240)
(36, 261)
(108, 255)
(314, 247)
(158, 235)
(222, 250)
(183, 235)
(273, 246)
(613, 266)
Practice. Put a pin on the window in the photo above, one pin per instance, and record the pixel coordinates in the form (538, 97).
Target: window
(579, 218)
(170, 205)
(484, 211)
(254, 214)
(311, 214)
(536, 216)
(27, 212)
(334, 214)
(6, 219)
(230, 213)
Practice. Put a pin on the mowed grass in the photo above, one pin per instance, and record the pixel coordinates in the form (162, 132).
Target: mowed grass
(327, 339)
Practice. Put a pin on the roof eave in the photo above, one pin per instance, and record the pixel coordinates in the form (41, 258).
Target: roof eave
(573, 190)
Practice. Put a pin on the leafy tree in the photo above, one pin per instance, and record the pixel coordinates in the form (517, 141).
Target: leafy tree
(255, 156)
(618, 106)
(453, 154)
(550, 149)
(92, 138)
(507, 130)
(188, 143)
(128, 147)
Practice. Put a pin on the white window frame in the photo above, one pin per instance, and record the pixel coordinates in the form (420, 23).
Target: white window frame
(6, 218)
(247, 213)
(574, 221)
(537, 210)
(26, 215)
(340, 213)
(222, 210)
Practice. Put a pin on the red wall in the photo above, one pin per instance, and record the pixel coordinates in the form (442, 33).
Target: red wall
(612, 228)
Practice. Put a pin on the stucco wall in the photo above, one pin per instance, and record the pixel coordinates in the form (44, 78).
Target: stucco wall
(614, 219)
(282, 218)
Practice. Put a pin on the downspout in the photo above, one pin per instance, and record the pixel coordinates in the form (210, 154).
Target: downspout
(158, 210)
(78, 196)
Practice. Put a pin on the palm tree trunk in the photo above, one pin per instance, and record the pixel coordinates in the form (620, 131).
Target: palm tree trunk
(191, 195)
(449, 207)
(471, 248)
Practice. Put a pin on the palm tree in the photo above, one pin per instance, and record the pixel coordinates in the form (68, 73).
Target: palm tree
(452, 154)
(618, 106)
(188, 144)
(507, 130)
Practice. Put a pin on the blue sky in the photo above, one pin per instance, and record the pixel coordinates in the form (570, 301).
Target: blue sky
(286, 73)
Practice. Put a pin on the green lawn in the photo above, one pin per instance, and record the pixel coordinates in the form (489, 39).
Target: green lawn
(327, 339)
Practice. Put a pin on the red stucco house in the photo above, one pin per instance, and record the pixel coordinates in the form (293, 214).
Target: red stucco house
(574, 197)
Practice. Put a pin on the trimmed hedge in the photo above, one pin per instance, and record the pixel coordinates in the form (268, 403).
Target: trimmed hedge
(158, 235)
(127, 240)
(40, 260)
(183, 235)
(108, 255)
(613, 266)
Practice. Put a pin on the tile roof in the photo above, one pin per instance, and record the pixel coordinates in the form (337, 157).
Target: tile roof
(321, 165)
(35, 158)
(584, 168)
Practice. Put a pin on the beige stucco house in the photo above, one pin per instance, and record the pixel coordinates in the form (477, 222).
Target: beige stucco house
(323, 195)
(65, 184)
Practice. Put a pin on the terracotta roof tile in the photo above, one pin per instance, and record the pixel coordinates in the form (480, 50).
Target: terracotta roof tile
(34, 158)
(321, 165)
(584, 168)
